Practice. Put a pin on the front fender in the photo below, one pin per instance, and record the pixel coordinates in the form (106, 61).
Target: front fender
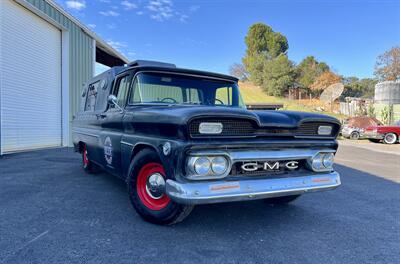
(131, 145)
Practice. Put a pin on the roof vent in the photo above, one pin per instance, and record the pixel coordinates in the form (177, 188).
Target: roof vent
(151, 63)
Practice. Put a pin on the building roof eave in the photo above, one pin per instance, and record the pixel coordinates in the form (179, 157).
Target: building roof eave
(99, 42)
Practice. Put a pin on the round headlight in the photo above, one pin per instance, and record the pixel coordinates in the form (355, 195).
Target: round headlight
(219, 165)
(327, 160)
(316, 162)
(202, 166)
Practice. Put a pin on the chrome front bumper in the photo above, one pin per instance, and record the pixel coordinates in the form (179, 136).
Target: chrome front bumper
(229, 191)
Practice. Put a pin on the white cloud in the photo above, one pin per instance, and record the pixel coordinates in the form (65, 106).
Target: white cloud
(109, 13)
(105, 1)
(139, 13)
(92, 25)
(194, 8)
(117, 45)
(128, 5)
(183, 18)
(76, 4)
(160, 9)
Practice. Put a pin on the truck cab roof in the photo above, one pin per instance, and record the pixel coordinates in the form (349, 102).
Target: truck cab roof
(165, 67)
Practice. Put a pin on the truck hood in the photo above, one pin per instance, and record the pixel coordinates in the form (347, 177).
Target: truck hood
(180, 115)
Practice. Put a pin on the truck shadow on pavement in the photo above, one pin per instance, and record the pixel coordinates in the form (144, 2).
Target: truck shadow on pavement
(51, 211)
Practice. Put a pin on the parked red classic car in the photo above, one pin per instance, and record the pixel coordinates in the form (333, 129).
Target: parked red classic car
(354, 127)
(388, 134)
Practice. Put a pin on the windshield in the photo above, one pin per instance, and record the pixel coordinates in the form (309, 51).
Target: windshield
(162, 88)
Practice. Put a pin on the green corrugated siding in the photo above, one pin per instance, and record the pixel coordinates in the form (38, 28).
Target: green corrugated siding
(80, 53)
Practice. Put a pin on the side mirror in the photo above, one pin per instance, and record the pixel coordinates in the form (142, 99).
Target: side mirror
(112, 100)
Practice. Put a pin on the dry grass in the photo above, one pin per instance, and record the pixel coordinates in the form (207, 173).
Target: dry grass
(253, 94)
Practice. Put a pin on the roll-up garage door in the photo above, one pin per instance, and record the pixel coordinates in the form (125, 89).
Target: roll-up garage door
(30, 80)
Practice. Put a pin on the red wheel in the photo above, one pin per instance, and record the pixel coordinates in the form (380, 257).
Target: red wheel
(85, 160)
(87, 165)
(146, 188)
(150, 186)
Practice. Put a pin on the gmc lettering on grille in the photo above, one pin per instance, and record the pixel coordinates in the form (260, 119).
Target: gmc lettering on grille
(270, 165)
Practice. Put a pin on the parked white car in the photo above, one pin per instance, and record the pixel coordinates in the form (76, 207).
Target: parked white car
(353, 133)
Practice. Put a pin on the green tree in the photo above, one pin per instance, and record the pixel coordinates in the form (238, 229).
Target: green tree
(308, 70)
(371, 111)
(277, 44)
(263, 44)
(368, 85)
(254, 64)
(257, 39)
(385, 115)
(279, 74)
(354, 87)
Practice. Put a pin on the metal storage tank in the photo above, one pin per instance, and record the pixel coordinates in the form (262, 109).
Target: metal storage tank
(387, 92)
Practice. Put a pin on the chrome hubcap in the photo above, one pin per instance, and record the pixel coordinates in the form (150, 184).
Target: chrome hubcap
(390, 138)
(155, 186)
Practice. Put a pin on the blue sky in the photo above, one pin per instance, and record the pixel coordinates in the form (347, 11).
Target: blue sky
(209, 34)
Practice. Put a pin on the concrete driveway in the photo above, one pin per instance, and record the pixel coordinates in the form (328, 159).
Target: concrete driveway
(375, 158)
(52, 212)
(376, 147)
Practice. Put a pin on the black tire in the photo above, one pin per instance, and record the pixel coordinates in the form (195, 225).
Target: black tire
(354, 135)
(169, 212)
(390, 138)
(374, 140)
(281, 200)
(88, 166)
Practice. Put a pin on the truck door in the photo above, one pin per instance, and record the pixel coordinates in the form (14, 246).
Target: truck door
(112, 126)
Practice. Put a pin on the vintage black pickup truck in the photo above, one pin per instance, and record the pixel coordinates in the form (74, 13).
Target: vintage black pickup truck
(182, 137)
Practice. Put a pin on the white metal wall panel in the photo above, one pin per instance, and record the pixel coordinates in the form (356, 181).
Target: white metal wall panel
(30, 72)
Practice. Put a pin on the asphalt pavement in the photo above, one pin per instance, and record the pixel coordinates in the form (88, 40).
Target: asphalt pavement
(375, 158)
(52, 212)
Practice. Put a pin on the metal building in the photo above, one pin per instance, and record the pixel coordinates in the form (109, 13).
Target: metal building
(45, 57)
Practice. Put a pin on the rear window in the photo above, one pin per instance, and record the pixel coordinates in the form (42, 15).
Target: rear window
(91, 97)
(94, 95)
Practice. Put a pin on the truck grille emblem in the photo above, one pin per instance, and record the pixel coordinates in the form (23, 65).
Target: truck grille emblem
(270, 166)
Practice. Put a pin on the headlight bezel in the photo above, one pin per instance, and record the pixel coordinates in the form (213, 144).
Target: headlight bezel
(319, 162)
(192, 174)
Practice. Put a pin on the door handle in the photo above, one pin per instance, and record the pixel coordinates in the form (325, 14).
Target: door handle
(101, 116)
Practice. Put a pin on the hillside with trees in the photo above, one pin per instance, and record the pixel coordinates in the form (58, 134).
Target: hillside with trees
(267, 65)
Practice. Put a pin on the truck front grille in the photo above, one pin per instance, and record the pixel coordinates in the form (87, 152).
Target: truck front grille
(231, 127)
(235, 127)
(311, 128)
